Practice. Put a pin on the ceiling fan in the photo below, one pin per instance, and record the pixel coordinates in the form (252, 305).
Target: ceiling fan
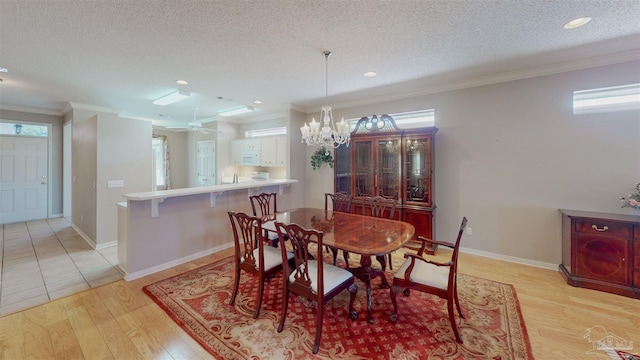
(194, 125)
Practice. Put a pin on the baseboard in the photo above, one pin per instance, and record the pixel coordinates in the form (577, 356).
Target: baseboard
(513, 259)
(53, 216)
(170, 264)
(84, 236)
(107, 245)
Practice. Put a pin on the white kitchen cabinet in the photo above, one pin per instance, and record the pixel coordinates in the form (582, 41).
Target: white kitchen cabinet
(251, 144)
(236, 152)
(273, 151)
(281, 151)
(268, 152)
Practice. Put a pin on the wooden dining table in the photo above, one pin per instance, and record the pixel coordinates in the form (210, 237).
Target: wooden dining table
(364, 235)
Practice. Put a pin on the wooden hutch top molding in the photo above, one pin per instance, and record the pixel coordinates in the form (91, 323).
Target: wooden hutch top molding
(375, 125)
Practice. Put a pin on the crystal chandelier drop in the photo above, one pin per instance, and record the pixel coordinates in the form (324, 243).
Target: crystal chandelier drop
(330, 134)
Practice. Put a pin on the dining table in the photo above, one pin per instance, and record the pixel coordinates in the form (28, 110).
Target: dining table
(357, 234)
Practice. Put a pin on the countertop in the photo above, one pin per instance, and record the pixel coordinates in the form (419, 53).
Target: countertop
(162, 194)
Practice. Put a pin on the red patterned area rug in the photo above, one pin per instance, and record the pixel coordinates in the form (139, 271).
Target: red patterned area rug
(199, 302)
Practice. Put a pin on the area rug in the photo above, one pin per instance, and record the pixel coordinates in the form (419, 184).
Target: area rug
(199, 302)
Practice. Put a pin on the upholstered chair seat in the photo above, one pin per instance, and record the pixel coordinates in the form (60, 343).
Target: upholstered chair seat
(333, 276)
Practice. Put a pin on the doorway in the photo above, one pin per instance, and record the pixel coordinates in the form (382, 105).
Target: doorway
(24, 178)
(206, 153)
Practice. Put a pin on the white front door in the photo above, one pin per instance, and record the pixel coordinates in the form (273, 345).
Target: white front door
(23, 178)
(206, 163)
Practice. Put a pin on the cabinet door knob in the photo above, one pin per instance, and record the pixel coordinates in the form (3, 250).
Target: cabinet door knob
(596, 228)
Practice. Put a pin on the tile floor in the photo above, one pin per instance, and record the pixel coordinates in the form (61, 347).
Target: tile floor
(46, 259)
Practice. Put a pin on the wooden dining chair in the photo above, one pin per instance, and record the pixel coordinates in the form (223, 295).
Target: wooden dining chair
(342, 203)
(381, 207)
(262, 205)
(313, 279)
(252, 256)
(431, 277)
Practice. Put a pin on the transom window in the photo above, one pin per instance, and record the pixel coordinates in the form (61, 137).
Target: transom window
(408, 120)
(10, 128)
(615, 98)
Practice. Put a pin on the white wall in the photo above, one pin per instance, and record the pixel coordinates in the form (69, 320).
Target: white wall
(123, 153)
(509, 155)
(84, 170)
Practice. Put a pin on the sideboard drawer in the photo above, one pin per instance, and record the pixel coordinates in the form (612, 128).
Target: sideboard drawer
(603, 228)
(636, 232)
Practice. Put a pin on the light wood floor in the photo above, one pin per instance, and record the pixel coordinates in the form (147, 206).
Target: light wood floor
(118, 321)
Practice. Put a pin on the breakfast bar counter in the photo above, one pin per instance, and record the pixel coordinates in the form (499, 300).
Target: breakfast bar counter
(161, 229)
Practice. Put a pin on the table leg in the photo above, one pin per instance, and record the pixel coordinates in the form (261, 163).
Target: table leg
(365, 273)
(365, 262)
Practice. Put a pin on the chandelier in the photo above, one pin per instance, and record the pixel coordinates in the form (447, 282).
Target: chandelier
(331, 134)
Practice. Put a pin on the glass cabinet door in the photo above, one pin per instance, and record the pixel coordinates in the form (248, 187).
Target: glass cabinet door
(343, 170)
(418, 170)
(364, 168)
(388, 171)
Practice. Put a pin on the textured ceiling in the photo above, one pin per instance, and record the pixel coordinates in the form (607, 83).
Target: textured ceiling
(122, 54)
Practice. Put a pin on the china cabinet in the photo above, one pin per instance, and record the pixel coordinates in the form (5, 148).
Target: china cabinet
(601, 251)
(384, 160)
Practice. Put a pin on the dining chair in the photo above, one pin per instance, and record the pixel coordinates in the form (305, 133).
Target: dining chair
(262, 205)
(340, 202)
(381, 207)
(313, 279)
(433, 277)
(252, 256)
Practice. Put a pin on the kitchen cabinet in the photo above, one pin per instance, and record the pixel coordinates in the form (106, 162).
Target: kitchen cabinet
(236, 152)
(384, 160)
(251, 144)
(601, 251)
(281, 151)
(268, 152)
(273, 151)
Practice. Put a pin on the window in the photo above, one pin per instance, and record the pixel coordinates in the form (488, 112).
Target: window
(415, 119)
(7, 128)
(266, 132)
(408, 120)
(158, 162)
(616, 98)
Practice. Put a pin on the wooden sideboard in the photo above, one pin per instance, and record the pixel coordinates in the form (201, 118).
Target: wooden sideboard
(601, 251)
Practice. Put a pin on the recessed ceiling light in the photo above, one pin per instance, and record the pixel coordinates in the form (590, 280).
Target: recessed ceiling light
(182, 82)
(258, 102)
(576, 22)
(370, 74)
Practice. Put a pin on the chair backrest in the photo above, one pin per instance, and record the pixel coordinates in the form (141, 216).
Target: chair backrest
(454, 255)
(247, 238)
(379, 205)
(339, 202)
(266, 203)
(299, 239)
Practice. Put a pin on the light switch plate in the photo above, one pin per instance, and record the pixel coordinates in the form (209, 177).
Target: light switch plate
(115, 183)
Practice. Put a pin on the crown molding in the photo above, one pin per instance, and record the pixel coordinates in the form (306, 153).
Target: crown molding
(31, 110)
(555, 68)
(78, 106)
